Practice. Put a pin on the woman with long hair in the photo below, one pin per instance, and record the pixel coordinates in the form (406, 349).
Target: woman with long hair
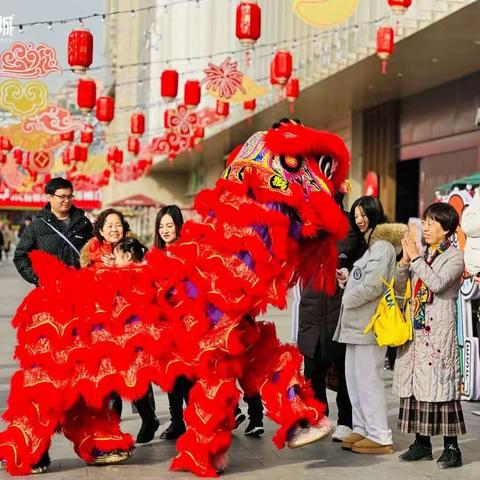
(168, 228)
(364, 359)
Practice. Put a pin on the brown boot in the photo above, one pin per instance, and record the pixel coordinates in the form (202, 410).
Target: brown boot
(369, 446)
(347, 444)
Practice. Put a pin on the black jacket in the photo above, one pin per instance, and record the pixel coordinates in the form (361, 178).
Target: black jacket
(318, 312)
(40, 236)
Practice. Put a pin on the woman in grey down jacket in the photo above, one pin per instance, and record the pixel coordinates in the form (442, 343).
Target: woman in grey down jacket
(427, 372)
(364, 359)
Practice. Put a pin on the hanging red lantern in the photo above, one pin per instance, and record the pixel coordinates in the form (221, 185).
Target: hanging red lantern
(169, 85)
(115, 156)
(223, 108)
(250, 105)
(137, 124)
(273, 78)
(66, 157)
(5, 144)
(248, 22)
(80, 50)
(192, 93)
(292, 90)
(86, 135)
(3, 158)
(371, 184)
(105, 109)
(86, 94)
(133, 145)
(385, 45)
(282, 66)
(77, 153)
(399, 7)
(67, 136)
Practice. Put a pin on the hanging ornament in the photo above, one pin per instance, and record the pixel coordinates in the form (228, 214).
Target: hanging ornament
(169, 85)
(223, 108)
(224, 80)
(192, 93)
(292, 90)
(133, 145)
(5, 144)
(385, 45)
(248, 24)
(282, 66)
(86, 135)
(114, 156)
(86, 94)
(399, 7)
(105, 109)
(3, 158)
(17, 155)
(250, 105)
(273, 78)
(67, 136)
(80, 50)
(77, 153)
(137, 124)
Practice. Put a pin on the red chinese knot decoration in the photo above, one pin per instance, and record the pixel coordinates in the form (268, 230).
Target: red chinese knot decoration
(86, 94)
(80, 50)
(248, 22)
(385, 45)
(105, 109)
(169, 85)
(282, 66)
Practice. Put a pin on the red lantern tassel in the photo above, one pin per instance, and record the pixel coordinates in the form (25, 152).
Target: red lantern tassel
(384, 67)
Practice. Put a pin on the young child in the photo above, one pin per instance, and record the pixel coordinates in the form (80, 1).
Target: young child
(129, 250)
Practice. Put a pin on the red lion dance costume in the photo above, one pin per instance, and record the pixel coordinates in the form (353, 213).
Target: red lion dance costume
(270, 221)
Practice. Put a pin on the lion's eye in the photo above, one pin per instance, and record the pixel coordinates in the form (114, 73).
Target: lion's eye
(326, 165)
(290, 163)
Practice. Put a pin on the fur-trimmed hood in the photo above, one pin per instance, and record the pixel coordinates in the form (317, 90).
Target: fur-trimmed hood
(390, 232)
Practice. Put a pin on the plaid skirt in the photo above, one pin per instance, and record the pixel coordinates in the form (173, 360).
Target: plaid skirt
(431, 418)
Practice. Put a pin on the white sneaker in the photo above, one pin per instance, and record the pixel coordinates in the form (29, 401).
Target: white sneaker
(311, 434)
(341, 433)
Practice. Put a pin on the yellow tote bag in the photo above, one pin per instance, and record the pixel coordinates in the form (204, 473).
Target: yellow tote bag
(390, 325)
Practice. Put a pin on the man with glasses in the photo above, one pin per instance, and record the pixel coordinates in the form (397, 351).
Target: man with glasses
(60, 229)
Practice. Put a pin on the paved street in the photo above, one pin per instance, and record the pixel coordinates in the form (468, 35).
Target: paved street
(250, 458)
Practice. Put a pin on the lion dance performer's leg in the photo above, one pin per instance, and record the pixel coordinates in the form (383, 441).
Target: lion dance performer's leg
(209, 420)
(33, 415)
(274, 371)
(96, 434)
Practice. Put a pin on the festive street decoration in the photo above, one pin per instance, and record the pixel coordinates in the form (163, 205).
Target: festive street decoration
(324, 13)
(250, 105)
(371, 184)
(399, 7)
(86, 94)
(133, 145)
(224, 79)
(169, 85)
(249, 90)
(105, 109)
(86, 135)
(137, 124)
(181, 119)
(223, 108)
(80, 50)
(282, 66)
(28, 61)
(5, 144)
(114, 156)
(248, 25)
(292, 90)
(67, 136)
(23, 99)
(53, 120)
(171, 144)
(385, 45)
(192, 94)
(40, 162)
(77, 153)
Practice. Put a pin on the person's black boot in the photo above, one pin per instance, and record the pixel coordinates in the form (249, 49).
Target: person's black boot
(150, 422)
(451, 457)
(239, 417)
(173, 431)
(416, 452)
(147, 430)
(42, 465)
